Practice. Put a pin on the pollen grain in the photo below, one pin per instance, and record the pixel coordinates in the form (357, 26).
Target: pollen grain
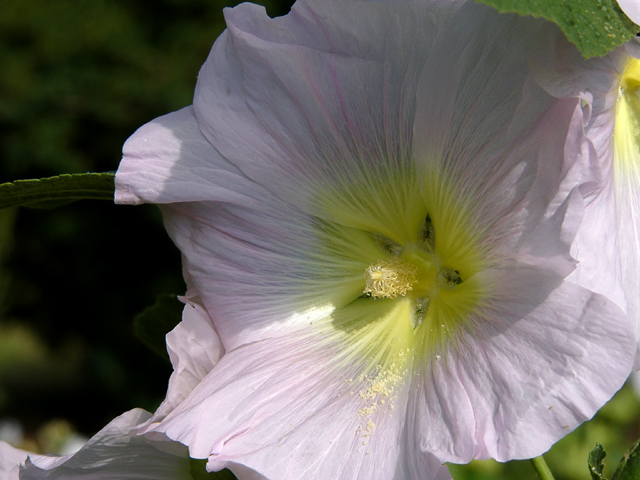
(389, 278)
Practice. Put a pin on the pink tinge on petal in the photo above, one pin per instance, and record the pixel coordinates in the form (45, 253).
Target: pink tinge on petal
(606, 243)
(472, 85)
(300, 119)
(631, 9)
(525, 375)
(301, 102)
(194, 348)
(548, 244)
(116, 451)
(169, 160)
(628, 217)
(563, 72)
(290, 408)
(260, 273)
(11, 459)
(597, 250)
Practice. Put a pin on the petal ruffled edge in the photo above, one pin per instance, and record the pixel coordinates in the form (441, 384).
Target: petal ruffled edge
(528, 373)
(116, 451)
(194, 349)
(289, 408)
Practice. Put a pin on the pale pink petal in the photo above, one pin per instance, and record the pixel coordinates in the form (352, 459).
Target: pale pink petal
(631, 9)
(511, 190)
(301, 104)
(474, 83)
(194, 348)
(10, 460)
(628, 223)
(595, 247)
(313, 129)
(261, 273)
(626, 189)
(524, 376)
(607, 243)
(169, 160)
(563, 72)
(292, 408)
(548, 245)
(598, 251)
(114, 453)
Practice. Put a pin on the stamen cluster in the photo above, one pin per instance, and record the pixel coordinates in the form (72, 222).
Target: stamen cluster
(389, 278)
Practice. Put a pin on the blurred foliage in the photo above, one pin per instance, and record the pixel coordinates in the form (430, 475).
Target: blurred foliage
(616, 426)
(78, 77)
(152, 324)
(629, 466)
(199, 472)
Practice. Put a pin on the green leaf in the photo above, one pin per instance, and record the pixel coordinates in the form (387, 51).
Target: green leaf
(596, 463)
(199, 472)
(153, 323)
(629, 466)
(54, 192)
(595, 26)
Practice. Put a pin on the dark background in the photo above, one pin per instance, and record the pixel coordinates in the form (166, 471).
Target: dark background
(77, 77)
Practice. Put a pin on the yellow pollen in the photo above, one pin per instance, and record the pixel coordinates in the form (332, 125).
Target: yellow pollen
(630, 80)
(627, 124)
(389, 278)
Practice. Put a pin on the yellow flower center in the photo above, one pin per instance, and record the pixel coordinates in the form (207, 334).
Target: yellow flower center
(414, 265)
(417, 272)
(630, 80)
(627, 124)
(389, 278)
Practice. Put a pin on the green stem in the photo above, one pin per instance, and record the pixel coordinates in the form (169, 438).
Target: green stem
(541, 468)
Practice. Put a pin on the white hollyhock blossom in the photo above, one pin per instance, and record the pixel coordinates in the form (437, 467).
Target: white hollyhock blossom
(375, 204)
(609, 87)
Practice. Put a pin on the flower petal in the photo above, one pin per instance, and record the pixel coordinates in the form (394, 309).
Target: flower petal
(232, 246)
(317, 100)
(169, 160)
(526, 375)
(608, 242)
(292, 407)
(631, 9)
(194, 348)
(114, 452)
(563, 72)
(10, 460)
(261, 272)
(474, 82)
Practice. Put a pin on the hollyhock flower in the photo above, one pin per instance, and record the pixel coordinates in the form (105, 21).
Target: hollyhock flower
(115, 452)
(375, 204)
(609, 243)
